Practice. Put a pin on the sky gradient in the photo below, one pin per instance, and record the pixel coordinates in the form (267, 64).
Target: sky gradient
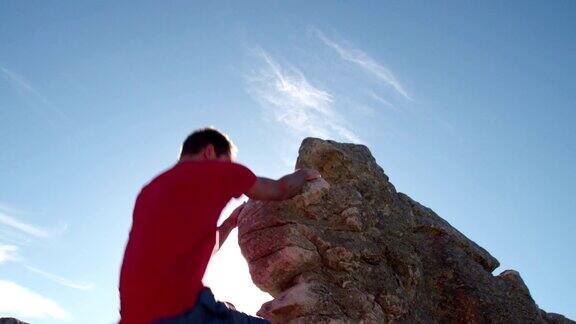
(468, 107)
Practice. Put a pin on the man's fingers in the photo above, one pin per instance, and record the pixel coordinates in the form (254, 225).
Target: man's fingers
(312, 174)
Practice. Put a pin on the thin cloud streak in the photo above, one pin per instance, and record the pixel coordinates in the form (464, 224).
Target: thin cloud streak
(20, 302)
(293, 101)
(32, 96)
(9, 252)
(379, 99)
(21, 83)
(22, 226)
(61, 280)
(18, 229)
(364, 61)
(14, 237)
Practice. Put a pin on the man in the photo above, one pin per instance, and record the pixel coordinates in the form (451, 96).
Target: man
(174, 232)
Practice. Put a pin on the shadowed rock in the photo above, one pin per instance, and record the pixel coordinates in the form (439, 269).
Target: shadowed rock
(350, 248)
(10, 320)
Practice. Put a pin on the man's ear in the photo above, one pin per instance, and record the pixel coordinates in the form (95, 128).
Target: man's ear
(209, 152)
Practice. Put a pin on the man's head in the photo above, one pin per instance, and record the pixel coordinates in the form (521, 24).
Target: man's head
(207, 144)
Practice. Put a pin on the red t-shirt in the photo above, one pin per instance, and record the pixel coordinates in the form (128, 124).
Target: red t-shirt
(173, 236)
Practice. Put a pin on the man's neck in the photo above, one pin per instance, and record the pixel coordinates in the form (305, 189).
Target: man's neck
(191, 158)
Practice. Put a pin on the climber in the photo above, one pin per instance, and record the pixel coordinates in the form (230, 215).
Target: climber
(174, 232)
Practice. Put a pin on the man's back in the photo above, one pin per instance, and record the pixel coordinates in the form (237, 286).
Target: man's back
(173, 236)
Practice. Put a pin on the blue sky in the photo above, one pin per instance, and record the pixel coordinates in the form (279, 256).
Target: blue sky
(468, 107)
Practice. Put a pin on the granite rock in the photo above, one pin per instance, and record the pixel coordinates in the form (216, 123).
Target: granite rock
(350, 248)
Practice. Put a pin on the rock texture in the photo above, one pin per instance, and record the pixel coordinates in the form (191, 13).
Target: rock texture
(351, 248)
(10, 320)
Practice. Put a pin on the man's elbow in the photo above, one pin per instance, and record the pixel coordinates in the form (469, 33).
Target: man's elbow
(277, 193)
(267, 189)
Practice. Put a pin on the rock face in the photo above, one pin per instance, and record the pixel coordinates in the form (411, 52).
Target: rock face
(351, 248)
(10, 320)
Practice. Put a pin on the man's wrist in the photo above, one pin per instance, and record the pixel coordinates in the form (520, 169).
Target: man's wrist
(227, 224)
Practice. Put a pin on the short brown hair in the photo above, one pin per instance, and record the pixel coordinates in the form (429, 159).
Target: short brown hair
(200, 138)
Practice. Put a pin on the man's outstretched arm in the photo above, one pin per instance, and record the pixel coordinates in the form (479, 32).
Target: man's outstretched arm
(266, 189)
(284, 188)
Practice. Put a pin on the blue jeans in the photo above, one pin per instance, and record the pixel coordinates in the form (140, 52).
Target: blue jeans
(208, 310)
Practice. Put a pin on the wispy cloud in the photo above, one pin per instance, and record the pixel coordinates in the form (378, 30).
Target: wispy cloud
(373, 95)
(11, 223)
(32, 96)
(61, 280)
(19, 225)
(13, 227)
(367, 63)
(306, 109)
(20, 302)
(21, 83)
(8, 253)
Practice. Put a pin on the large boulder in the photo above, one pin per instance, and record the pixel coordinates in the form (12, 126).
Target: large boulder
(350, 248)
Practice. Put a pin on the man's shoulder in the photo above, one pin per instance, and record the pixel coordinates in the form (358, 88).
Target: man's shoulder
(211, 165)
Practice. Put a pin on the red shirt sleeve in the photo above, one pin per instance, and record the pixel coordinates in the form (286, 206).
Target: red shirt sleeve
(238, 179)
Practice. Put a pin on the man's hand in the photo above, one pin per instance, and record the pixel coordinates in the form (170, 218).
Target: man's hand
(310, 174)
(227, 226)
(232, 220)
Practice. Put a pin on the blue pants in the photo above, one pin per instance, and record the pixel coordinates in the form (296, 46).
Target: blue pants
(208, 310)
